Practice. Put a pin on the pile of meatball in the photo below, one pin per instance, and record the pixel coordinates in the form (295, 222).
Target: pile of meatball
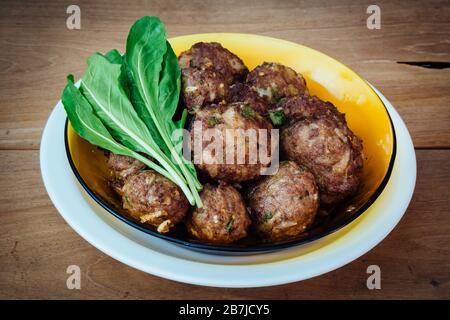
(321, 165)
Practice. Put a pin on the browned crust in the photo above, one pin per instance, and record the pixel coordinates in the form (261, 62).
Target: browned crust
(223, 217)
(213, 56)
(230, 116)
(122, 167)
(241, 92)
(153, 199)
(318, 138)
(202, 87)
(274, 81)
(284, 205)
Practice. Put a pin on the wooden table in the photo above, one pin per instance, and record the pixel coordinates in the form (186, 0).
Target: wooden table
(38, 51)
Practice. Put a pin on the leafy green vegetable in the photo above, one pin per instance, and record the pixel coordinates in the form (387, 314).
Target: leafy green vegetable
(156, 77)
(145, 50)
(115, 57)
(101, 87)
(85, 122)
(169, 88)
(277, 117)
(126, 104)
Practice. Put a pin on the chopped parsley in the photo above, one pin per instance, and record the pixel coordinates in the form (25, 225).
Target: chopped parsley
(127, 200)
(275, 96)
(212, 121)
(267, 216)
(230, 224)
(277, 117)
(247, 112)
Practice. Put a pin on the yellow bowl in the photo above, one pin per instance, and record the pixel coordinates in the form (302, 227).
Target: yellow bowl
(326, 78)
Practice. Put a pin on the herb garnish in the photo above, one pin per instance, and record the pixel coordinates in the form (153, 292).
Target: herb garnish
(275, 96)
(267, 216)
(247, 112)
(277, 117)
(230, 224)
(213, 120)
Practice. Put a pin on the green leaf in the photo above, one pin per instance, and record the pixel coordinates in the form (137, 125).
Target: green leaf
(169, 88)
(115, 57)
(88, 126)
(156, 77)
(169, 95)
(101, 86)
(182, 122)
(142, 111)
(126, 104)
(145, 50)
(146, 46)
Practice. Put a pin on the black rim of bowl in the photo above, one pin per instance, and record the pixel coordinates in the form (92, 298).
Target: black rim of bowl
(236, 248)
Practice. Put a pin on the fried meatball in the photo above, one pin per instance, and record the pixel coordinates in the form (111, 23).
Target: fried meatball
(223, 217)
(241, 92)
(213, 56)
(121, 168)
(319, 138)
(283, 205)
(202, 87)
(241, 123)
(305, 106)
(153, 199)
(273, 81)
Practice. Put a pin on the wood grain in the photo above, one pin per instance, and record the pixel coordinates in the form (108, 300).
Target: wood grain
(38, 51)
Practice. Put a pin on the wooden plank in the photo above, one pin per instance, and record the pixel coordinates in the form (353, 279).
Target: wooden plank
(36, 246)
(38, 51)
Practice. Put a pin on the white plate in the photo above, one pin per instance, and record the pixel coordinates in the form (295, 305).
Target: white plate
(170, 261)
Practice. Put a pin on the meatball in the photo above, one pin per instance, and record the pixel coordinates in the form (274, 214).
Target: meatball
(213, 56)
(283, 205)
(236, 162)
(223, 217)
(202, 87)
(121, 168)
(305, 106)
(273, 81)
(241, 92)
(153, 199)
(319, 138)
